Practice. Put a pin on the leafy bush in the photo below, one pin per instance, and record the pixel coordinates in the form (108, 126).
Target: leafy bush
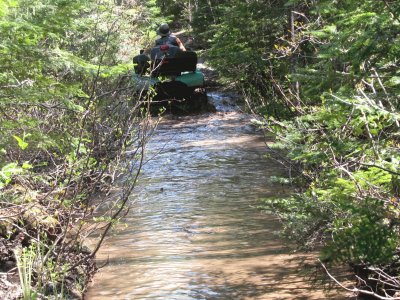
(67, 113)
(323, 76)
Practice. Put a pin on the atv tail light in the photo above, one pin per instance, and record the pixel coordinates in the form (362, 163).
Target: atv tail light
(164, 47)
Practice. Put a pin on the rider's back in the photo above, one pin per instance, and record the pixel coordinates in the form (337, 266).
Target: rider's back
(167, 40)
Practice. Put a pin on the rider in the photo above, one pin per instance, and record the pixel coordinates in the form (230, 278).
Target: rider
(168, 38)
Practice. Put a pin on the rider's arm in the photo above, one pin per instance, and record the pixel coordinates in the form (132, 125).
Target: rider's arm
(180, 44)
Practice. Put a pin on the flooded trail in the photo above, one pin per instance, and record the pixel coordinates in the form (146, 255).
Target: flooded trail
(194, 230)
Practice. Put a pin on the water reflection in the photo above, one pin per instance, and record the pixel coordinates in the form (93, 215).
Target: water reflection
(194, 231)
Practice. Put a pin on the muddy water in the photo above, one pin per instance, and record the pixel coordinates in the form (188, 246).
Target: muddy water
(194, 231)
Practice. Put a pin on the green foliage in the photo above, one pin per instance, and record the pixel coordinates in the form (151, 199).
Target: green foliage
(7, 172)
(364, 237)
(67, 112)
(305, 218)
(243, 42)
(325, 77)
(21, 143)
(25, 262)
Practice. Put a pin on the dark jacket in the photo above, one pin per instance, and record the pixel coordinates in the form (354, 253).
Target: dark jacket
(167, 40)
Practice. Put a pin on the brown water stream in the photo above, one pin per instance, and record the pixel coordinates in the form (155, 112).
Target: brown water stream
(194, 231)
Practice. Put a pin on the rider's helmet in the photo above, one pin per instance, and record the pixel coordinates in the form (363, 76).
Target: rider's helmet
(163, 30)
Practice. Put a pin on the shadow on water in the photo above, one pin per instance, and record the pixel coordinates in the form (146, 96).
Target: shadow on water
(247, 289)
(194, 230)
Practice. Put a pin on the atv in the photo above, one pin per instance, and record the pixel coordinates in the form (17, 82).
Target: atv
(172, 74)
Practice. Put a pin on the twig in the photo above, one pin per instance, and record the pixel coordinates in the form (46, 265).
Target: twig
(356, 290)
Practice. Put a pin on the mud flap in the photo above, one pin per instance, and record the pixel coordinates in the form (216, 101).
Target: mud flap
(173, 90)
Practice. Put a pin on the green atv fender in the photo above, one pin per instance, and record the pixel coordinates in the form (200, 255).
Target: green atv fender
(190, 79)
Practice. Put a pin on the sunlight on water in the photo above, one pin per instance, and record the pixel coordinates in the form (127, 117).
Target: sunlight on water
(194, 231)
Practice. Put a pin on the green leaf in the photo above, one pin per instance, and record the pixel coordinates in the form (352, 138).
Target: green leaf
(7, 172)
(394, 81)
(26, 166)
(21, 143)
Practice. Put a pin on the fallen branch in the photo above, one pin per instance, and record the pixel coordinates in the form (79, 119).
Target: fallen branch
(356, 290)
